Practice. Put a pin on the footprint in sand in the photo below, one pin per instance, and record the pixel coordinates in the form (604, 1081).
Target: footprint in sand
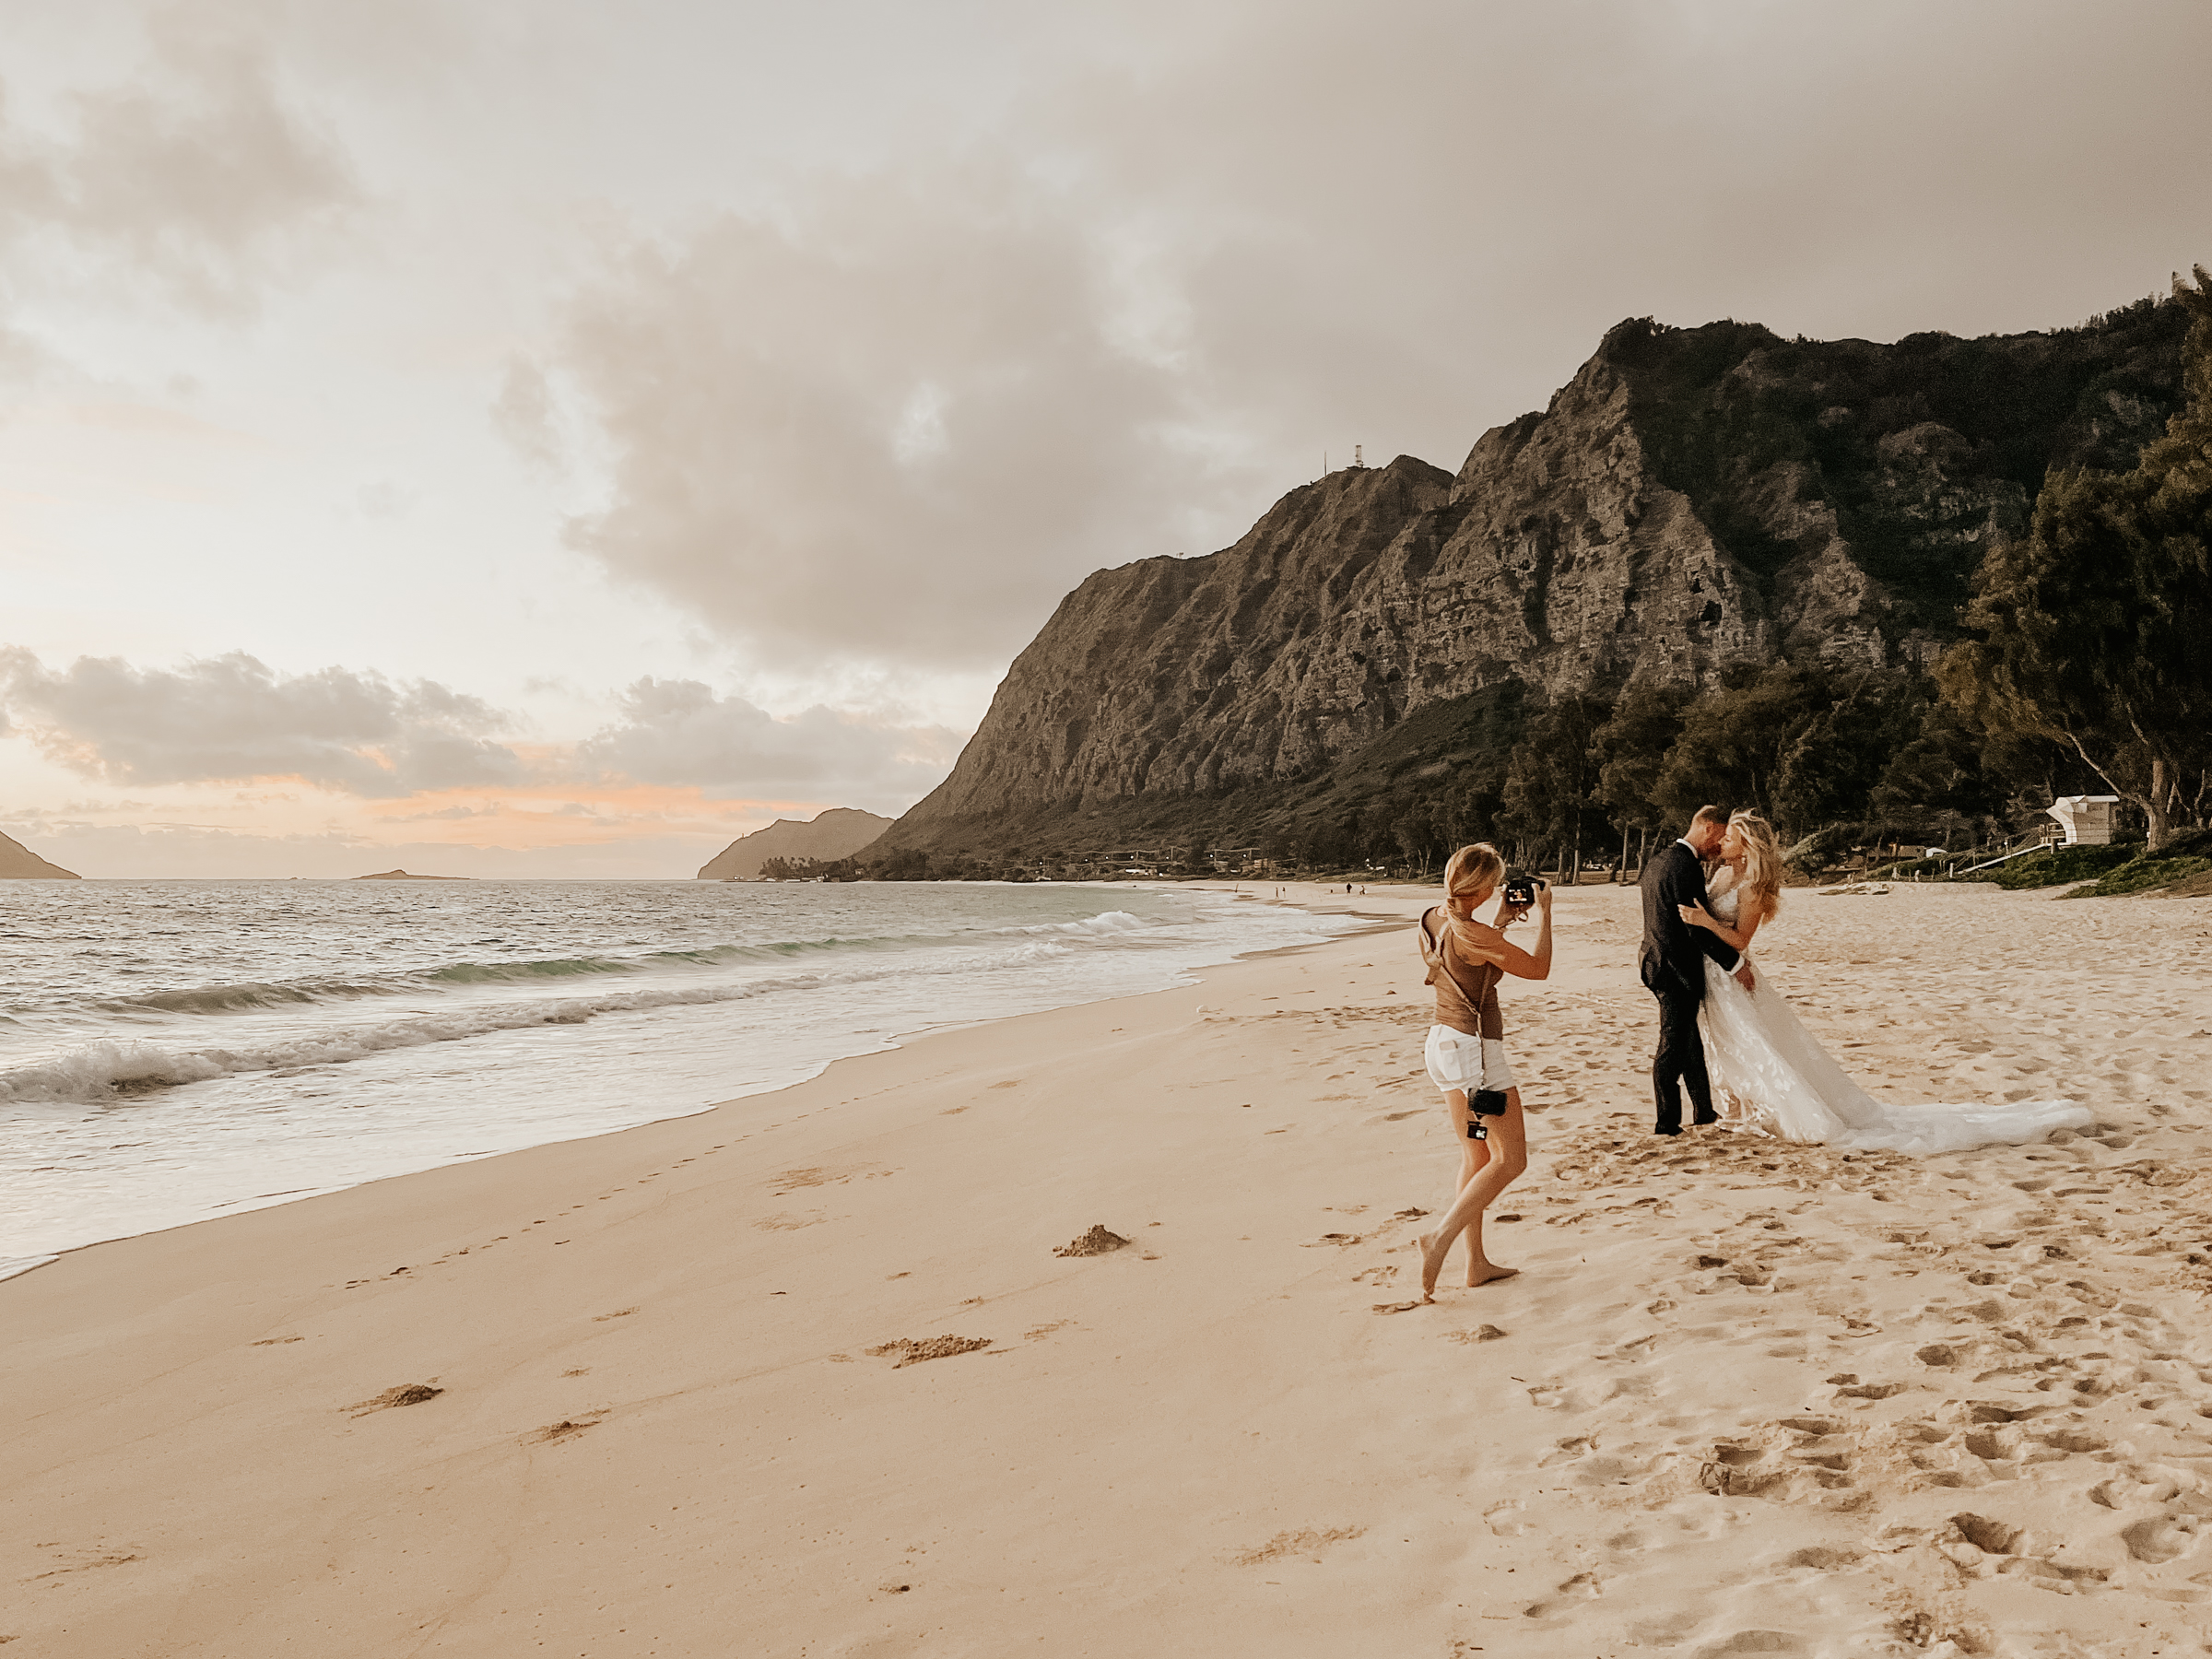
(1746, 1642)
(791, 1181)
(790, 1223)
(2162, 1540)
(1306, 1541)
(566, 1428)
(2136, 1485)
(912, 1350)
(1822, 1558)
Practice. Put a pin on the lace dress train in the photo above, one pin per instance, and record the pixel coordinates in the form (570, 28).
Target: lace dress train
(1762, 1059)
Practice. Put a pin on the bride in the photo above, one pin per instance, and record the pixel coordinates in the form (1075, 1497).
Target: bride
(1766, 1064)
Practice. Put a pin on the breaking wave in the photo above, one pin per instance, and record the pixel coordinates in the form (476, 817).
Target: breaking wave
(116, 1069)
(253, 995)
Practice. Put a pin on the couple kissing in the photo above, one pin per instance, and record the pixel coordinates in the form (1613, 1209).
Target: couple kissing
(1727, 1033)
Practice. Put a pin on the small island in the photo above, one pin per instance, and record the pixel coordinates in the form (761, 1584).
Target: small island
(405, 876)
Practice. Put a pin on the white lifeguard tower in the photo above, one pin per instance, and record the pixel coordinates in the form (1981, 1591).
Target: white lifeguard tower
(2087, 820)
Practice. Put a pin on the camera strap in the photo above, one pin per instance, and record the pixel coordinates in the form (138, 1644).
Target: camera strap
(1432, 952)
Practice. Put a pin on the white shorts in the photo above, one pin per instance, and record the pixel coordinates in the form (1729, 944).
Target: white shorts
(1458, 1060)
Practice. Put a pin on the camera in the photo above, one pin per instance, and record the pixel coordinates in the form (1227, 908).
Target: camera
(1483, 1104)
(1520, 889)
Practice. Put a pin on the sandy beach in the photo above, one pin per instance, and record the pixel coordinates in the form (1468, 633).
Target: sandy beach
(683, 1390)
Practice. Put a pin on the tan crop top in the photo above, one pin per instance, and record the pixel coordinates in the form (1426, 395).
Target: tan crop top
(1467, 987)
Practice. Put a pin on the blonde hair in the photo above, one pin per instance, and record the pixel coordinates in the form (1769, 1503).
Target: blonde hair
(1762, 863)
(1474, 869)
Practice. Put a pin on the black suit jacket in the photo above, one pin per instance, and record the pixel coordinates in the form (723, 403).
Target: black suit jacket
(1671, 959)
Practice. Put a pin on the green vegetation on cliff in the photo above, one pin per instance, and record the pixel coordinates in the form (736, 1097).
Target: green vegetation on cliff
(1919, 449)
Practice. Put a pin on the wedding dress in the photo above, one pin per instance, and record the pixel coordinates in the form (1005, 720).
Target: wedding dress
(1766, 1066)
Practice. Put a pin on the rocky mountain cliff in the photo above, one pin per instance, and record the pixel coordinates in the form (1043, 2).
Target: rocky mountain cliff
(1693, 499)
(838, 833)
(18, 863)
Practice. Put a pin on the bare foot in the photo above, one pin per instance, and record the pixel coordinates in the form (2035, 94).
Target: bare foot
(1432, 1265)
(1482, 1273)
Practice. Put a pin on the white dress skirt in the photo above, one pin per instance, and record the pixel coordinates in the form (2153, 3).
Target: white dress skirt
(1762, 1059)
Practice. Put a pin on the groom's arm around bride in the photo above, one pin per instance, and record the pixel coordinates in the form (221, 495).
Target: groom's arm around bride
(1672, 950)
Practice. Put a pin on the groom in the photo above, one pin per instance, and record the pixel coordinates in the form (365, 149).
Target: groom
(1674, 969)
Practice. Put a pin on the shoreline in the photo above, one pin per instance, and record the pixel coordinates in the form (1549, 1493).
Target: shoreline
(898, 1041)
(670, 1413)
(902, 1026)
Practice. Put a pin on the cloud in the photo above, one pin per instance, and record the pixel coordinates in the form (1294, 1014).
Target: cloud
(231, 719)
(683, 733)
(890, 428)
(196, 178)
(383, 499)
(895, 415)
(679, 751)
(525, 414)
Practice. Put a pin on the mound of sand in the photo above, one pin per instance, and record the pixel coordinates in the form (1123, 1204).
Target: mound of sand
(1097, 1241)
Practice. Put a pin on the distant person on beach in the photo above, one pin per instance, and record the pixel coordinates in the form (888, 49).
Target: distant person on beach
(1773, 1074)
(1466, 1050)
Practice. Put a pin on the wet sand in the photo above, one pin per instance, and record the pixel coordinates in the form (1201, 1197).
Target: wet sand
(820, 1374)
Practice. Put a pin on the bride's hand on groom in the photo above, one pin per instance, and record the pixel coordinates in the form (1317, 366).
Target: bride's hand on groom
(1695, 915)
(1743, 977)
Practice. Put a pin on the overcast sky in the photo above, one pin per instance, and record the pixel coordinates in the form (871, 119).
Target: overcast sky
(549, 438)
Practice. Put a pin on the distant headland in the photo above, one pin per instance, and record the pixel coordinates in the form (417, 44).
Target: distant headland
(407, 876)
(18, 863)
(838, 833)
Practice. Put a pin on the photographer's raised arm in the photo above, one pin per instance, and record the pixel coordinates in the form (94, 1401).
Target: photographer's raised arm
(1491, 944)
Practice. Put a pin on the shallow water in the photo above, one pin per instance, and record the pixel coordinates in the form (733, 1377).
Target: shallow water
(171, 1051)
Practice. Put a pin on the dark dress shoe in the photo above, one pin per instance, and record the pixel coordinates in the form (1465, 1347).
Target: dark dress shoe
(1668, 1129)
(1703, 1118)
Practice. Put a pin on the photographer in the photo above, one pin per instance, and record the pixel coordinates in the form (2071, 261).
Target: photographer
(1466, 1050)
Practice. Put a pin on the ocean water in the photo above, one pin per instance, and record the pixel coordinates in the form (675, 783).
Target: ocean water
(174, 1050)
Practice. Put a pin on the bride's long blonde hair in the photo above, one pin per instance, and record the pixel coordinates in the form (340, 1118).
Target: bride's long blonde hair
(1762, 864)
